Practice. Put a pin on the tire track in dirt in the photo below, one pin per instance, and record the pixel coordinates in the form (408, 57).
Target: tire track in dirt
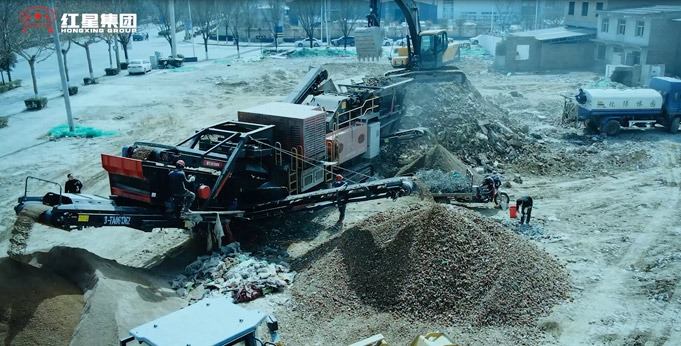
(608, 300)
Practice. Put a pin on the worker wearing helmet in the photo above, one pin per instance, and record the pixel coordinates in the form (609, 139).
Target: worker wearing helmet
(340, 197)
(178, 186)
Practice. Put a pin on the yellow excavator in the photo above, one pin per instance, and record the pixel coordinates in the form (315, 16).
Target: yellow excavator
(426, 53)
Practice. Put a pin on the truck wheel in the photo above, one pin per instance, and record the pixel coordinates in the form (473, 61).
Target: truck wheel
(674, 125)
(591, 126)
(611, 128)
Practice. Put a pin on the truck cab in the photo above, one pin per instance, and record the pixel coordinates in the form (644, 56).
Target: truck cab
(670, 88)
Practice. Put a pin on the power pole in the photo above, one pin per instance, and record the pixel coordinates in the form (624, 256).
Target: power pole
(62, 73)
(173, 40)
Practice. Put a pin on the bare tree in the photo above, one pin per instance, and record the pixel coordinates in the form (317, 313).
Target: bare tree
(33, 44)
(348, 14)
(273, 16)
(206, 18)
(85, 41)
(8, 28)
(248, 10)
(306, 12)
(123, 6)
(504, 10)
(163, 20)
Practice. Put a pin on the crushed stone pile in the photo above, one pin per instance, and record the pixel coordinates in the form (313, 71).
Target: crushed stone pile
(437, 158)
(434, 263)
(463, 121)
(21, 229)
(438, 181)
(231, 272)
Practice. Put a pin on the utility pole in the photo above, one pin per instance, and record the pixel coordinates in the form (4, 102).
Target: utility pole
(62, 74)
(191, 28)
(173, 40)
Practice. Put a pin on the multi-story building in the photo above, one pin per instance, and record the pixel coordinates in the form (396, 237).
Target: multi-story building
(644, 38)
(584, 14)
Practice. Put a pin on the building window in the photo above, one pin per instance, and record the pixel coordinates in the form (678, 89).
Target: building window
(605, 25)
(601, 52)
(571, 8)
(640, 26)
(621, 26)
(599, 6)
(585, 9)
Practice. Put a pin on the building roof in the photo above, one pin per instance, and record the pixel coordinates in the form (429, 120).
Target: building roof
(643, 11)
(558, 33)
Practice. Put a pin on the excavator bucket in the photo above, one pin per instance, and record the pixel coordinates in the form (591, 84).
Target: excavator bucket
(369, 43)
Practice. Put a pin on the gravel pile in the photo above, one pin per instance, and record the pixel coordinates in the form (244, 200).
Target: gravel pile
(434, 263)
(21, 229)
(439, 181)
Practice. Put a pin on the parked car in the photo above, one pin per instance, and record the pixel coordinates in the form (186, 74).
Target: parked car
(306, 42)
(140, 66)
(140, 36)
(349, 41)
(387, 42)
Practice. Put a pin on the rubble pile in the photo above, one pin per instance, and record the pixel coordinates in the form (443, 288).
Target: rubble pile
(231, 272)
(465, 123)
(433, 263)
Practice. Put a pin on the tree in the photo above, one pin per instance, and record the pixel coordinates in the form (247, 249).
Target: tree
(273, 16)
(205, 16)
(306, 11)
(85, 41)
(7, 57)
(348, 14)
(248, 9)
(163, 21)
(33, 44)
(124, 6)
(7, 61)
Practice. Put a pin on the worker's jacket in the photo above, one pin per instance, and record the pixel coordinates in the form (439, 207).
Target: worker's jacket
(177, 181)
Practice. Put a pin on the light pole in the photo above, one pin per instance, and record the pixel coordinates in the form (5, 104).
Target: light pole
(62, 73)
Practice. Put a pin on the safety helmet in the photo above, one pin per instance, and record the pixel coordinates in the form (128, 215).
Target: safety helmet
(339, 177)
(179, 163)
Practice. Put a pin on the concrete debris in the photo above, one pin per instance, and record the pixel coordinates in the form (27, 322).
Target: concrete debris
(465, 123)
(433, 263)
(231, 271)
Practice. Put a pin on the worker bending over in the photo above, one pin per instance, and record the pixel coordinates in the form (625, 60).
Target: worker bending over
(524, 205)
(340, 197)
(178, 186)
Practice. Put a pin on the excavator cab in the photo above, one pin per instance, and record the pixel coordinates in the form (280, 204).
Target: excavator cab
(433, 46)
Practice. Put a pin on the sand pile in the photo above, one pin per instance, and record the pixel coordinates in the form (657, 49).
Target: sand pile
(434, 263)
(37, 306)
(465, 123)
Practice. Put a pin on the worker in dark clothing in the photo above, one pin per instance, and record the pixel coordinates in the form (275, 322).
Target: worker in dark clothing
(340, 197)
(178, 186)
(581, 97)
(491, 183)
(524, 205)
(372, 18)
(72, 185)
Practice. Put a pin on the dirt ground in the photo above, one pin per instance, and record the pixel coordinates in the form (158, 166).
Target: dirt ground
(606, 208)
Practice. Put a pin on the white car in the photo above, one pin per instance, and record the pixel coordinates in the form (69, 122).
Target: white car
(306, 43)
(141, 66)
(387, 42)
